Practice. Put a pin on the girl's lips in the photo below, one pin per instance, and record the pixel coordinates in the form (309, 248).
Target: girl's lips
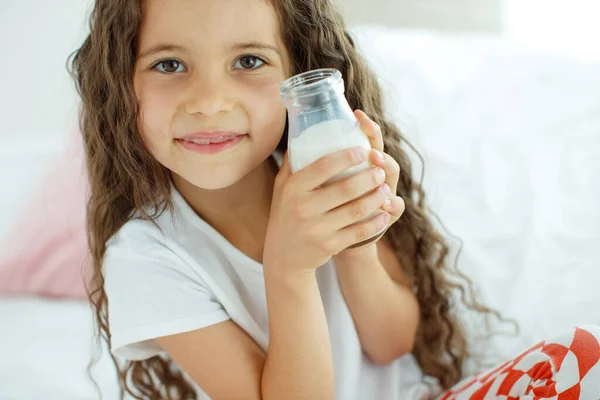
(210, 148)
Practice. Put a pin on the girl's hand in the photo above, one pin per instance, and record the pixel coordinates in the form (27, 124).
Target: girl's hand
(394, 204)
(309, 222)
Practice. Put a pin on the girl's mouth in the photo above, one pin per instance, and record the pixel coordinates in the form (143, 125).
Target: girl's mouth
(210, 145)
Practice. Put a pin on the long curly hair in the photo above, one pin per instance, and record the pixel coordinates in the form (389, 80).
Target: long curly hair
(125, 178)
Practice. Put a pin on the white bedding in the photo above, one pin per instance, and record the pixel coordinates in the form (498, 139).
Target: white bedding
(511, 140)
(45, 347)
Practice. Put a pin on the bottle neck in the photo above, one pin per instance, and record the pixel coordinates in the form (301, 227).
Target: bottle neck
(312, 89)
(316, 100)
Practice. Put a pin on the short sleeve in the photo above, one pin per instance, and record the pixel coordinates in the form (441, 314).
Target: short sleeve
(151, 295)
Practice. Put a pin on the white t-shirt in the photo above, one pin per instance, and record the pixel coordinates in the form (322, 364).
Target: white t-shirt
(186, 276)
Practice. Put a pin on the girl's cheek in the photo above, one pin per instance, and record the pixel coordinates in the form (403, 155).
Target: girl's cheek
(267, 83)
(155, 103)
(267, 111)
(156, 95)
(264, 91)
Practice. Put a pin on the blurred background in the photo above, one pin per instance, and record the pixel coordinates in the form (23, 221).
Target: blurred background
(501, 97)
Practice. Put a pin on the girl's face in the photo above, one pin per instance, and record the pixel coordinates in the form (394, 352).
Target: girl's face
(204, 67)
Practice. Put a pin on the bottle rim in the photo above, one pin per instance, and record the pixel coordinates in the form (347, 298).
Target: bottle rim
(310, 82)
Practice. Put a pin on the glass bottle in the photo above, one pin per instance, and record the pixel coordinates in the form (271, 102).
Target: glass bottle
(320, 121)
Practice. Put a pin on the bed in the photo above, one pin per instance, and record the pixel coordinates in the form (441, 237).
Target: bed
(511, 142)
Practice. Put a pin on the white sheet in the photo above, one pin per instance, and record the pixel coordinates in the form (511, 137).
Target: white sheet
(512, 146)
(45, 347)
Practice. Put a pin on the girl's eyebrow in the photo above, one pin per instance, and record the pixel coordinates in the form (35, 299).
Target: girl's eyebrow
(254, 45)
(236, 47)
(161, 47)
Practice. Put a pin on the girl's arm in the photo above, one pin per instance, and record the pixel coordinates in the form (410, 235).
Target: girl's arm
(384, 309)
(299, 362)
(229, 365)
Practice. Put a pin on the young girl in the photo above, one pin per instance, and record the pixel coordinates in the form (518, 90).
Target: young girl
(218, 273)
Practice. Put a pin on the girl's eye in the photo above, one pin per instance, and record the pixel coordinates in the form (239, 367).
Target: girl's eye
(249, 62)
(169, 66)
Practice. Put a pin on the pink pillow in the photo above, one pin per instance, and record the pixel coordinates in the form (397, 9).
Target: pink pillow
(47, 251)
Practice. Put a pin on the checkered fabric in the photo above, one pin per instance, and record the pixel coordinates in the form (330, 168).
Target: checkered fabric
(563, 368)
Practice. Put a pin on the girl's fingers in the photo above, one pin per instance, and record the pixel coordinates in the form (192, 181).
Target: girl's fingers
(356, 210)
(395, 206)
(389, 165)
(378, 157)
(284, 171)
(371, 129)
(350, 188)
(363, 230)
(320, 171)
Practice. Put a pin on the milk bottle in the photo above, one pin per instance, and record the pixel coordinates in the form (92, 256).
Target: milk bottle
(320, 121)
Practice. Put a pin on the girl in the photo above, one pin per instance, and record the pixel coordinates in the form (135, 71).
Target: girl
(219, 274)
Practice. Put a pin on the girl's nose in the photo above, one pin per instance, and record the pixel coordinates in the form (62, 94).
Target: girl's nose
(208, 96)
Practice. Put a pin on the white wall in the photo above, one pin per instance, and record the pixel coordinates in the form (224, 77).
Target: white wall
(447, 15)
(36, 37)
(569, 27)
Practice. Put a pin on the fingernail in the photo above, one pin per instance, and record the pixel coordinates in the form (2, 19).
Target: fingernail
(379, 155)
(380, 174)
(386, 189)
(386, 217)
(388, 203)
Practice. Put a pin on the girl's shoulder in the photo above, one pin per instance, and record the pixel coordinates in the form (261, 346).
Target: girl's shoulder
(176, 239)
(138, 232)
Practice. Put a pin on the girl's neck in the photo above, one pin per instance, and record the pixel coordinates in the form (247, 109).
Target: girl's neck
(239, 212)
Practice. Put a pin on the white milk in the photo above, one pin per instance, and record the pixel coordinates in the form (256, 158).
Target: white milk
(324, 138)
(328, 137)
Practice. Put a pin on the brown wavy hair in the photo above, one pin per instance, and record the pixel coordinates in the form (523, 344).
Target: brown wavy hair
(125, 178)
